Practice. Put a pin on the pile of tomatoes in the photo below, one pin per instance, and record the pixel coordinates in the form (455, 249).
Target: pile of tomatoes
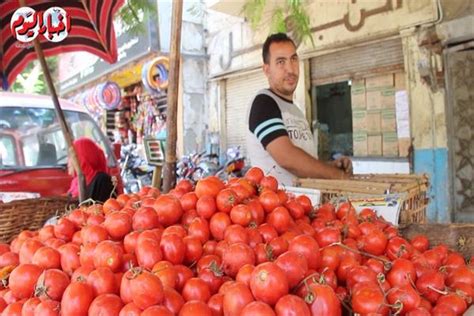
(239, 248)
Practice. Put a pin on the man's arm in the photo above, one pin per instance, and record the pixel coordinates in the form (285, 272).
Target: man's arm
(300, 163)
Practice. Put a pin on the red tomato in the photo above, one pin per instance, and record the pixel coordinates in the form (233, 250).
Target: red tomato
(64, 229)
(218, 224)
(196, 289)
(192, 249)
(254, 175)
(268, 276)
(169, 210)
(47, 258)
(294, 265)
(405, 296)
(166, 272)
(108, 254)
(184, 274)
(308, 247)
(226, 199)
(295, 208)
(241, 215)
(45, 233)
(145, 218)
(156, 310)
(102, 281)
(51, 284)
(173, 248)
(429, 281)
(28, 308)
(455, 302)
(188, 201)
(269, 182)
(236, 256)
(402, 273)
(278, 246)
(257, 211)
(185, 185)
(130, 310)
(331, 257)
(193, 308)
(77, 298)
(78, 217)
(94, 234)
(28, 249)
(199, 228)
(398, 247)
(23, 279)
(206, 206)
(81, 273)
(147, 251)
(269, 200)
(216, 304)
(106, 304)
(86, 255)
(111, 205)
(374, 242)
(208, 186)
(268, 232)
(324, 301)
(257, 308)
(236, 233)
(360, 274)
(236, 297)
(292, 305)
(172, 300)
(280, 219)
(69, 257)
(146, 290)
(306, 203)
(368, 298)
(118, 224)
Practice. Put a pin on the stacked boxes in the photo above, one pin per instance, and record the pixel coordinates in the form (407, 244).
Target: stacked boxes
(374, 120)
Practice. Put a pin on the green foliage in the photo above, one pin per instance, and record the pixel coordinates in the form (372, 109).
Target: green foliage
(32, 79)
(290, 18)
(132, 14)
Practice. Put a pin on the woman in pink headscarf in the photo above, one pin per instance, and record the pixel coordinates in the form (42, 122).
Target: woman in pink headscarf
(99, 186)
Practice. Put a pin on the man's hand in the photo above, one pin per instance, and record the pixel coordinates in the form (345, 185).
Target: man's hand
(344, 163)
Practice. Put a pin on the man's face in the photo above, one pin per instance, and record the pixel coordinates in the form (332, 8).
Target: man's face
(283, 68)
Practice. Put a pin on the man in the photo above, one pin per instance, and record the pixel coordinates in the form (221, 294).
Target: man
(279, 139)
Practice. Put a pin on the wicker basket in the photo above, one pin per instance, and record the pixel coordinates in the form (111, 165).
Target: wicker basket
(412, 187)
(28, 214)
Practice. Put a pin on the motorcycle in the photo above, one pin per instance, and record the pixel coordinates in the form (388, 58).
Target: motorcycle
(136, 173)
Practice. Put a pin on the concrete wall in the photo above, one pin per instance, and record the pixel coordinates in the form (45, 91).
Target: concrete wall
(193, 79)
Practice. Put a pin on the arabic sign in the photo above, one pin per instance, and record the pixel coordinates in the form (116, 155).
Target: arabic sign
(54, 24)
(81, 68)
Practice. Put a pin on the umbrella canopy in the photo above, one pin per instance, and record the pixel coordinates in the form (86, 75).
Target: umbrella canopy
(91, 29)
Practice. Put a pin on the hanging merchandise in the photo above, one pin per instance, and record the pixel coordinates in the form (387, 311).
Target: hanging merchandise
(108, 95)
(155, 74)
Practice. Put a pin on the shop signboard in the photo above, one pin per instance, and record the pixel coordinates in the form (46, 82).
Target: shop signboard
(130, 47)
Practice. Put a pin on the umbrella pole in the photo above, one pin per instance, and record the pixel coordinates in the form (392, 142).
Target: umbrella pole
(173, 87)
(62, 120)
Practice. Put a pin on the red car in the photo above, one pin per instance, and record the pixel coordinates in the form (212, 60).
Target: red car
(33, 151)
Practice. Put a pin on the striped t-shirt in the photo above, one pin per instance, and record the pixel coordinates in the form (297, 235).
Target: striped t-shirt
(271, 116)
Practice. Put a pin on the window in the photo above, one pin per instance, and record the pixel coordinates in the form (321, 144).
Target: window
(40, 138)
(7, 151)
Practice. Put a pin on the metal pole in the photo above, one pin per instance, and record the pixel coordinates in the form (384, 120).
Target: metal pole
(173, 87)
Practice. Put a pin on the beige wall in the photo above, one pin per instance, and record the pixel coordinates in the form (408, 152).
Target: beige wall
(427, 107)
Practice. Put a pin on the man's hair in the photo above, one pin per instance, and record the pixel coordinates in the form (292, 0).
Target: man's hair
(274, 38)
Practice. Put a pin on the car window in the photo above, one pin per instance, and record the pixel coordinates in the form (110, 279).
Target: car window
(41, 139)
(7, 151)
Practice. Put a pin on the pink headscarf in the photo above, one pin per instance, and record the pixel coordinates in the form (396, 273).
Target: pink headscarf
(92, 161)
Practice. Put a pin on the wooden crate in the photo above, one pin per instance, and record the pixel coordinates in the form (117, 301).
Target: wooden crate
(29, 214)
(459, 237)
(413, 188)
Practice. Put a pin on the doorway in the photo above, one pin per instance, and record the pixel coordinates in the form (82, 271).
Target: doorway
(334, 119)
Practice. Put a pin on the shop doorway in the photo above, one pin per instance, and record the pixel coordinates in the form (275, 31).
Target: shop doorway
(333, 112)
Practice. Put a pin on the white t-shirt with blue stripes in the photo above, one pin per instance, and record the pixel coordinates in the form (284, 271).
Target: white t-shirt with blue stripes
(269, 117)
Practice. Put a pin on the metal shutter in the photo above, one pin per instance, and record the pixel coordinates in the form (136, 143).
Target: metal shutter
(239, 93)
(357, 62)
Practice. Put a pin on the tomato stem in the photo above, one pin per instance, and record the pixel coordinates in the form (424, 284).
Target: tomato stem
(385, 261)
(303, 282)
(437, 291)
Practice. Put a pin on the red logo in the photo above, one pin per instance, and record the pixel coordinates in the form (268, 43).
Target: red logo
(54, 24)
